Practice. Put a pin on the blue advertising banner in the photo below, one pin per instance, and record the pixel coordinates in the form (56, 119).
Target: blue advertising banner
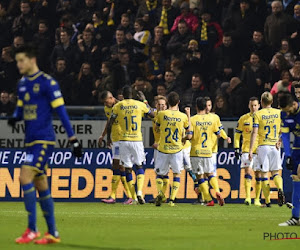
(89, 179)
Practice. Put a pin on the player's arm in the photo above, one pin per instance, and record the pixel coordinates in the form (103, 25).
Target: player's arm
(222, 132)
(104, 132)
(237, 138)
(111, 121)
(57, 103)
(150, 112)
(253, 136)
(285, 137)
(187, 126)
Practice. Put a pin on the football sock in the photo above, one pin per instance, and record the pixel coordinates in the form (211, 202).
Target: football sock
(124, 182)
(193, 176)
(115, 182)
(266, 189)
(131, 185)
(204, 190)
(175, 188)
(166, 182)
(247, 183)
(296, 199)
(213, 181)
(278, 181)
(159, 183)
(30, 204)
(47, 206)
(257, 188)
(140, 180)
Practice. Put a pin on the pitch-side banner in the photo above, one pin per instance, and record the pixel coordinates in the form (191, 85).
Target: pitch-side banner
(89, 179)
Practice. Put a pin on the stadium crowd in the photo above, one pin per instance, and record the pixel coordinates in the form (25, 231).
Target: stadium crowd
(229, 50)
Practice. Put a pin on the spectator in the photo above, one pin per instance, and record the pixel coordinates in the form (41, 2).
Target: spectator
(295, 70)
(155, 67)
(238, 97)
(24, 24)
(278, 26)
(221, 107)
(84, 85)
(18, 42)
(141, 36)
(242, 23)
(208, 33)
(43, 43)
(295, 37)
(66, 24)
(181, 82)
(286, 52)
(148, 10)
(86, 13)
(255, 75)
(170, 82)
(5, 24)
(281, 85)
(88, 50)
(160, 40)
(190, 19)
(226, 58)
(179, 40)
(280, 64)
(285, 76)
(126, 25)
(141, 85)
(65, 50)
(288, 6)
(258, 45)
(6, 107)
(9, 73)
(297, 91)
(190, 95)
(166, 15)
(161, 89)
(65, 80)
(64, 7)
(106, 82)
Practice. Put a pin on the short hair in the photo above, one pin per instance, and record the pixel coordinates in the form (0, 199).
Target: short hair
(253, 98)
(125, 15)
(173, 99)
(4, 92)
(98, 14)
(139, 79)
(140, 21)
(285, 100)
(177, 63)
(103, 95)
(25, 1)
(161, 85)
(297, 86)
(201, 103)
(120, 29)
(258, 30)
(196, 75)
(28, 49)
(127, 92)
(207, 98)
(278, 2)
(88, 31)
(161, 97)
(158, 27)
(267, 98)
(170, 71)
(182, 21)
(227, 34)
(108, 65)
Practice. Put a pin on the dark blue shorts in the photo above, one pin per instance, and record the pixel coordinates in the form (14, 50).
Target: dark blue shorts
(296, 160)
(37, 157)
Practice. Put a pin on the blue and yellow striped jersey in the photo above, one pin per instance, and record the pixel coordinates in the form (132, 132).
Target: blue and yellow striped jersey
(38, 95)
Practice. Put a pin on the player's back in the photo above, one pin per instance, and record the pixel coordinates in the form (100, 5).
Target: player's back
(204, 130)
(268, 121)
(129, 114)
(38, 95)
(171, 124)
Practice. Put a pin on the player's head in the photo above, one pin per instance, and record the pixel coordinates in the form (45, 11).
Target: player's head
(107, 98)
(297, 91)
(173, 99)
(201, 104)
(161, 103)
(266, 99)
(287, 103)
(26, 59)
(127, 92)
(208, 104)
(254, 104)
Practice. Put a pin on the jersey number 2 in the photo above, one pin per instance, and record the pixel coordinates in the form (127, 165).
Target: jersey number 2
(268, 128)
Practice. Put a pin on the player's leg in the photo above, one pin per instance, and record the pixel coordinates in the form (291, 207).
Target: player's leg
(161, 169)
(138, 154)
(131, 185)
(246, 164)
(47, 206)
(114, 182)
(202, 187)
(125, 185)
(257, 188)
(176, 161)
(294, 221)
(26, 180)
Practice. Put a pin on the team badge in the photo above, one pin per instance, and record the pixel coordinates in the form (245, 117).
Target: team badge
(27, 97)
(36, 88)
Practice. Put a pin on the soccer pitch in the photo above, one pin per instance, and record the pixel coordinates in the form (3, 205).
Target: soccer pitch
(99, 226)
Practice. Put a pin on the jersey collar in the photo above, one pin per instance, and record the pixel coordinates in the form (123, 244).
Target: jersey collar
(34, 76)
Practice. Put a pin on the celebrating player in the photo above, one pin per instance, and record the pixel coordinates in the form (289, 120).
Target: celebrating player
(204, 126)
(244, 129)
(291, 124)
(266, 125)
(118, 170)
(129, 113)
(38, 95)
(171, 123)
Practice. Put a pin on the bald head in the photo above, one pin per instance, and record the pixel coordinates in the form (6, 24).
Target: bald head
(276, 7)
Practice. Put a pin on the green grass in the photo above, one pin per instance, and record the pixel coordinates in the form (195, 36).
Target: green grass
(99, 226)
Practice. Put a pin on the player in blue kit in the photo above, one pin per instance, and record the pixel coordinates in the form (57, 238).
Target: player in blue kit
(38, 95)
(291, 124)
